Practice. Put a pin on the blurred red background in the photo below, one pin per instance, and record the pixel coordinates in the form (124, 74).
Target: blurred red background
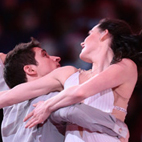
(61, 25)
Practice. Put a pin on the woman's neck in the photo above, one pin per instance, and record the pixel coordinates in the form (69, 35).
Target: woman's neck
(97, 68)
(101, 64)
(103, 61)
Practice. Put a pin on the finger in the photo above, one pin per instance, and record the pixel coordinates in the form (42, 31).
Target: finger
(28, 116)
(35, 105)
(38, 103)
(33, 124)
(31, 121)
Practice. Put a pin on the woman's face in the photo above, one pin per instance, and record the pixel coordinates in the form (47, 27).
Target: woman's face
(91, 44)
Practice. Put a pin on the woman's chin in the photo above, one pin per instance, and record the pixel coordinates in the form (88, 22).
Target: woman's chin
(85, 59)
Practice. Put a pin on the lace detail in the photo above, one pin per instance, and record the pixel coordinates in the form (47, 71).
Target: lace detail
(81, 70)
(120, 109)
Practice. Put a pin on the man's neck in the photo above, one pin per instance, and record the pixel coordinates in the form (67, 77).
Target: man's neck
(32, 78)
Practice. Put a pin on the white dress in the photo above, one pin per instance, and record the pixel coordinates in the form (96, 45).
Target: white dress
(103, 101)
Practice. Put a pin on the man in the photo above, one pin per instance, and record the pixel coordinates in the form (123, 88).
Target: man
(33, 62)
(13, 128)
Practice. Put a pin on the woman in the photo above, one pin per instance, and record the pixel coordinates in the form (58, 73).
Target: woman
(114, 53)
(111, 49)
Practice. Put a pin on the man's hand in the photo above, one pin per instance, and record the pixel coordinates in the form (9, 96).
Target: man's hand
(126, 139)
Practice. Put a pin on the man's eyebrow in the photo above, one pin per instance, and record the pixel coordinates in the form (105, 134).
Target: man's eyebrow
(43, 50)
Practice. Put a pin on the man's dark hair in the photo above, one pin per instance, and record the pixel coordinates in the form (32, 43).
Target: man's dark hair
(15, 61)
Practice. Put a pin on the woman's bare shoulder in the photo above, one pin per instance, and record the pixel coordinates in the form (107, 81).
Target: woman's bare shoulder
(128, 62)
(62, 73)
(66, 69)
(129, 71)
(128, 66)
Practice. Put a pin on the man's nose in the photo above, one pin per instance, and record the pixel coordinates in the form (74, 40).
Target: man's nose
(56, 58)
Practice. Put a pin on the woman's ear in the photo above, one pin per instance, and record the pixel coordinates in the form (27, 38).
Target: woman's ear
(30, 70)
(104, 35)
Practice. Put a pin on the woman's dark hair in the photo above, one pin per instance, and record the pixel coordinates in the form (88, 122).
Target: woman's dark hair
(124, 43)
(15, 61)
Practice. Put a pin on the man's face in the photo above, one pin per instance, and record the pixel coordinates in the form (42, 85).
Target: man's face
(45, 63)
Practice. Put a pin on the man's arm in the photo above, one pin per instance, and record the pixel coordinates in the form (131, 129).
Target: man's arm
(92, 119)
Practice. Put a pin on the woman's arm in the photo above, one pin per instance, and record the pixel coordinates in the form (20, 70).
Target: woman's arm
(25, 91)
(123, 73)
(115, 75)
(3, 92)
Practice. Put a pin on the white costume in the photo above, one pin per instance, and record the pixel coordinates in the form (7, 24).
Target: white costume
(13, 118)
(103, 101)
(3, 85)
(13, 128)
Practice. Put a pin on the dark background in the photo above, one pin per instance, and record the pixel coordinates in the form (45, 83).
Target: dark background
(61, 25)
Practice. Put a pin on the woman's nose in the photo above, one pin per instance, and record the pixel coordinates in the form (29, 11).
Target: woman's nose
(82, 44)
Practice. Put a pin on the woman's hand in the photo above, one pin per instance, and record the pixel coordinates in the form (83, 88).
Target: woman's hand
(38, 115)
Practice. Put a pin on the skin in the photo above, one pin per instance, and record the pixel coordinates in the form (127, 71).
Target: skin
(2, 56)
(123, 73)
(103, 76)
(46, 64)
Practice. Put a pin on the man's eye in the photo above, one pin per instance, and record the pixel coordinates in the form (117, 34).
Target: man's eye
(44, 54)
